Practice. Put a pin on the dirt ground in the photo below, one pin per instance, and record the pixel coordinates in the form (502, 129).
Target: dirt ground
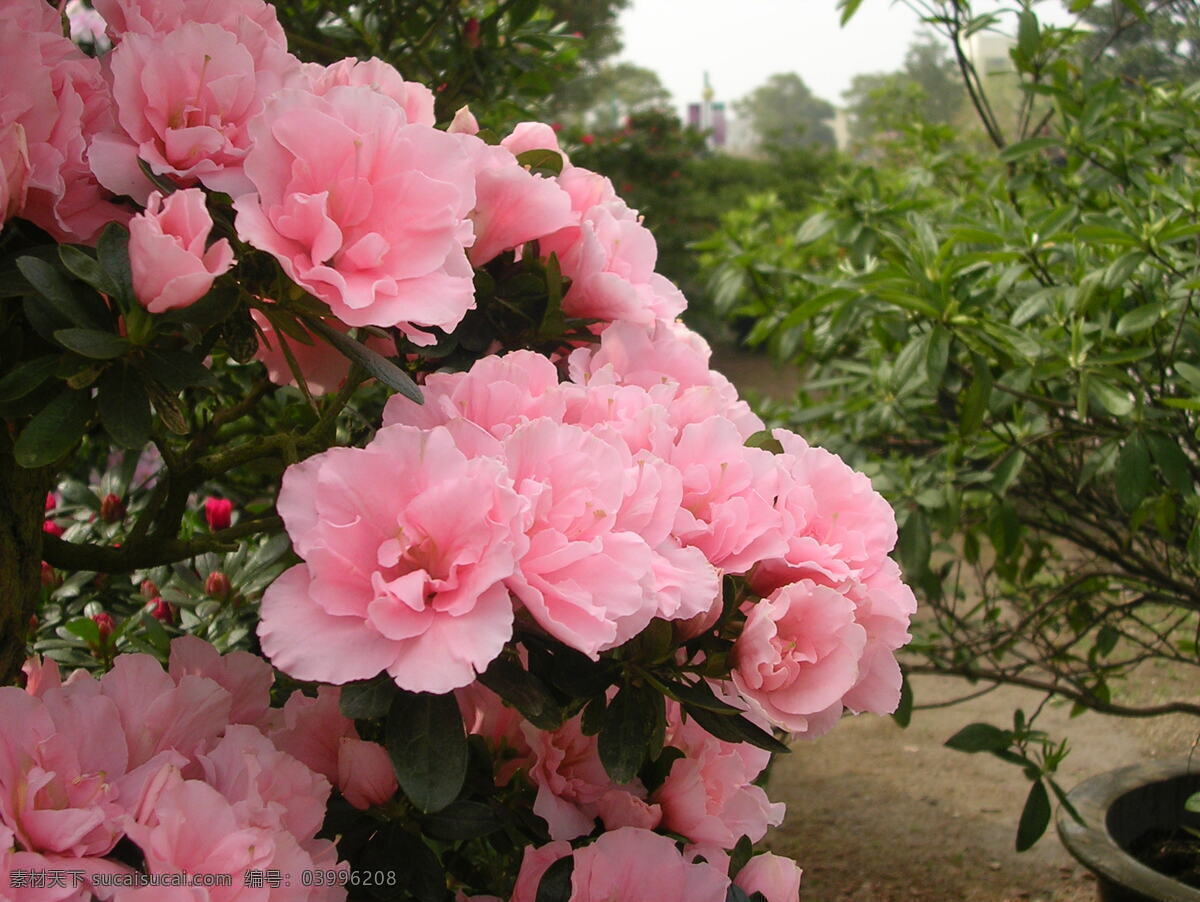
(877, 813)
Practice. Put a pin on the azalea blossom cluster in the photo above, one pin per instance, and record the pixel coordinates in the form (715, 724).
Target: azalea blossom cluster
(583, 495)
(191, 765)
(593, 505)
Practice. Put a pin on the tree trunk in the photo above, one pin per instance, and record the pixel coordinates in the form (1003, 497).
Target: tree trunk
(22, 510)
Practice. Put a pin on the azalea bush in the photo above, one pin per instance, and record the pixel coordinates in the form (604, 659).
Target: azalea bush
(370, 527)
(1008, 340)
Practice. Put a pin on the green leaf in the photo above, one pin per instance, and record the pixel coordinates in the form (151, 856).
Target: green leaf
(1139, 319)
(735, 729)
(523, 691)
(55, 430)
(92, 343)
(1020, 149)
(55, 288)
(85, 628)
(555, 885)
(979, 737)
(462, 820)
(903, 713)
(975, 399)
(124, 407)
(1035, 817)
(1028, 38)
(553, 322)
(592, 720)
(112, 253)
(1174, 464)
(177, 371)
(85, 267)
(1192, 803)
(428, 747)
(1133, 476)
(848, 8)
(376, 365)
(914, 544)
(626, 734)
(700, 695)
(541, 160)
(27, 376)
(937, 355)
(1113, 399)
(367, 699)
(816, 226)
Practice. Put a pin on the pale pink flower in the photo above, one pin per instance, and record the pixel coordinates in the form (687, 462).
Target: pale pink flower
(573, 788)
(798, 654)
(838, 527)
(728, 496)
(158, 17)
(405, 574)
(883, 607)
(363, 209)
(636, 865)
(14, 169)
(464, 123)
(499, 393)
(276, 792)
(246, 677)
(708, 795)
(365, 773)
(585, 581)
(776, 877)
(324, 367)
(512, 204)
(534, 862)
(171, 266)
(311, 729)
(87, 25)
(60, 100)
(59, 756)
(184, 100)
(414, 98)
(532, 136)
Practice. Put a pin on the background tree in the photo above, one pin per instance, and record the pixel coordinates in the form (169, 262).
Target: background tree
(785, 114)
(1163, 44)
(602, 99)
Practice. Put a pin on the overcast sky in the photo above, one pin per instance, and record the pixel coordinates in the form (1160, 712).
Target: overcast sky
(743, 42)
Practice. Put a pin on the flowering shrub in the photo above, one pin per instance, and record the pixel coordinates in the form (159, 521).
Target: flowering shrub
(570, 589)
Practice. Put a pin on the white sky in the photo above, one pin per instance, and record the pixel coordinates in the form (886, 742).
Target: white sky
(743, 42)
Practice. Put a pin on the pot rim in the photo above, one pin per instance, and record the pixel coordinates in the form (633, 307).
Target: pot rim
(1093, 845)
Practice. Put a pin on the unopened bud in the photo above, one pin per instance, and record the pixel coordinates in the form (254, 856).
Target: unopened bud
(105, 623)
(49, 577)
(217, 586)
(51, 501)
(148, 589)
(160, 610)
(471, 33)
(218, 512)
(112, 509)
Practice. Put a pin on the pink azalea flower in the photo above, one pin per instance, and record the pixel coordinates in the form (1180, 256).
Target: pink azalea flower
(635, 865)
(246, 677)
(798, 654)
(59, 99)
(14, 169)
(728, 496)
(315, 731)
(484, 714)
(708, 795)
(776, 877)
(171, 266)
(534, 863)
(573, 788)
(531, 136)
(184, 100)
(839, 527)
(361, 208)
(405, 574)
(158, 17)
(512, 205)
(414, 98)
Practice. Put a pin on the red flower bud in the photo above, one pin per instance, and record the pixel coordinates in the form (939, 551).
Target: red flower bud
(148, 589)
(160, 610)
(104, 621)
(588, 139)
(217, 585)
(49, 577)
(49, 526)
(112, 509)
(51, 501)
(471, 33)
(218, 512)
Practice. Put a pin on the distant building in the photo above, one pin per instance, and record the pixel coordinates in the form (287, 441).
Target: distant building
(989, 53)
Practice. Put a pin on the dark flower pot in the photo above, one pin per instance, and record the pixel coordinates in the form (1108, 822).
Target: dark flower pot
(1118, 808)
